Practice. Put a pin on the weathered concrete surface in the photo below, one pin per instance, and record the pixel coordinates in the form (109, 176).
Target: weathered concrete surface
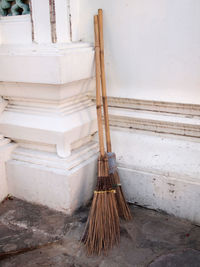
(185, 258)
(32, 235)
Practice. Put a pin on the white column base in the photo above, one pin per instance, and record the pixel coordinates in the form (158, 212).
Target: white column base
(44, 178)
(5, 150)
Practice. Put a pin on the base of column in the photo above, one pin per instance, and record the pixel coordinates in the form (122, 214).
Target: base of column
(6, 148)
(44, 178)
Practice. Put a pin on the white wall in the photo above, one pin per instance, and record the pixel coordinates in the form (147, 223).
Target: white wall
(152, 47)
(15, 30)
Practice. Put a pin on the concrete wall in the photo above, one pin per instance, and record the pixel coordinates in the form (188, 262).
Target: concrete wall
(152, 47)
(152, 64)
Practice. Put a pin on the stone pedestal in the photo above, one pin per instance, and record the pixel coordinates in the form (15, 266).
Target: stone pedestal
(63, 184)
(46, 109)
(51, 117)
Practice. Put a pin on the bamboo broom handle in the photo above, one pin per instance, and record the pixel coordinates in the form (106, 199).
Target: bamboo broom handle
(103, 81)
(98, 86)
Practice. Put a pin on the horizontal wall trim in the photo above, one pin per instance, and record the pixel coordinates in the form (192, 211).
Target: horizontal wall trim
(155, 125)
(46, 107)
(51, 160)
(155, 116)
(155, 106)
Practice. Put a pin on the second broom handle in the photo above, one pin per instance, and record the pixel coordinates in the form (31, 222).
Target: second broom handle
(98, 86)
(103, 81)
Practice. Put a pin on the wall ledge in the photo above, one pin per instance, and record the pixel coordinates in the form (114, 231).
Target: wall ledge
(176, 119)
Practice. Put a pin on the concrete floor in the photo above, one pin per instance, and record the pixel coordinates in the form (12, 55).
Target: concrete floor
(32, 235)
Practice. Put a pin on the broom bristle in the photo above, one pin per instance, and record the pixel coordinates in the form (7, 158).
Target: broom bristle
(102, 228)
(123, 208)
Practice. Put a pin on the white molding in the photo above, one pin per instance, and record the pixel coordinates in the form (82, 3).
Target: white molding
(15, 19)
(54, 108)
(159, 123)
(49, 115)
(58, 121)
(51, 160)
(155, 116)
(155, 106)
(61, 130)
(53, 64)
(38, 92)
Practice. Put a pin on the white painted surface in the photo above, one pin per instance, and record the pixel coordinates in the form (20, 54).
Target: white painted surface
(165, 193)
(158, 154)
(49, 115)
(41, 21)
(56, 92)
(15, 30)
(6, 149)
(75, 13)
(4, 156)
(46, 64)
(151, 47)
(158, 122)
(56, 115)
(159, 172)
(62, 21)
(3, 181)
(61, 184)
(61, 132)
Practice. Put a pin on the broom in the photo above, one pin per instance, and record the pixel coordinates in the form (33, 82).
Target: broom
(123, 208)
(102, 227)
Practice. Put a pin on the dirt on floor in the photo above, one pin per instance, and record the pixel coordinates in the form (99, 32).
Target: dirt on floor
(33, 235)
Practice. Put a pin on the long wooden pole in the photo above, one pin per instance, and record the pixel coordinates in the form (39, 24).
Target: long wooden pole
(103, 81)
(98, 86)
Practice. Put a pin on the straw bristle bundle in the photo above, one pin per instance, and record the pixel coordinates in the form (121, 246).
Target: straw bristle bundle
(102, 228)
(123, 208)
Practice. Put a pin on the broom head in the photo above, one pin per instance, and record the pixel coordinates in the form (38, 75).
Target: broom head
(102, 228)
